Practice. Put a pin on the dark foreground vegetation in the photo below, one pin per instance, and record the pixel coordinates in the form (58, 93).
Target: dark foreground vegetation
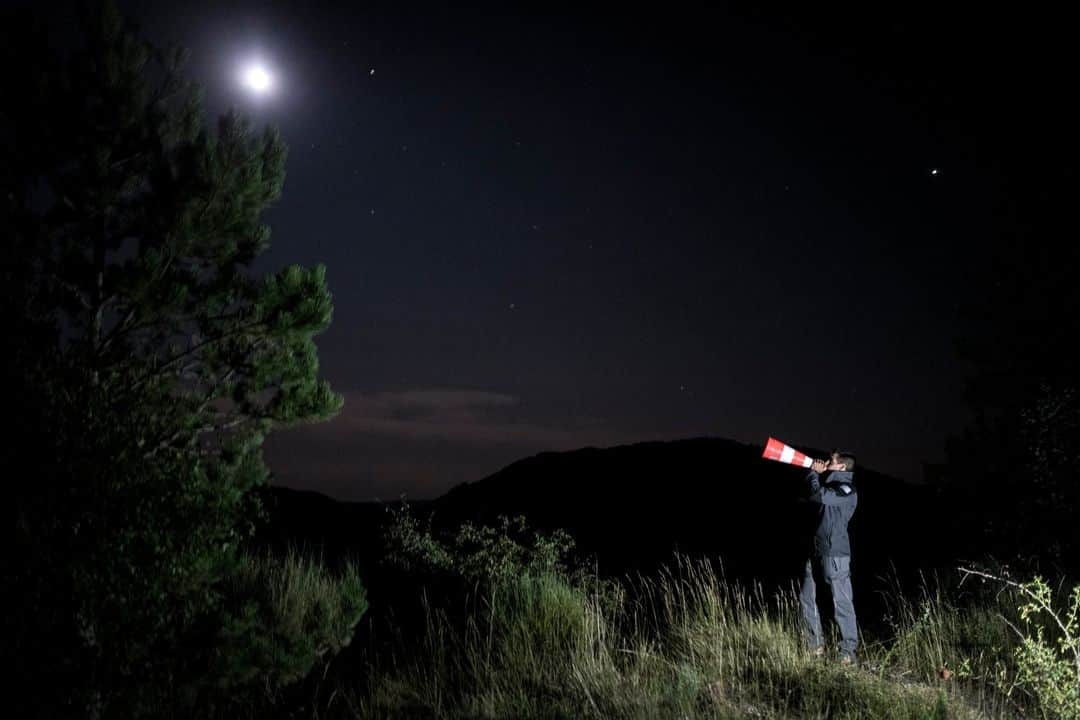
(492, 622)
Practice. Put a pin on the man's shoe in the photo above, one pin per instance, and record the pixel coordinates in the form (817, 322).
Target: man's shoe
(848, 660)
(817, 653)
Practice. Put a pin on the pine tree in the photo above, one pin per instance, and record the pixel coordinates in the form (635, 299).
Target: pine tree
(147, 362)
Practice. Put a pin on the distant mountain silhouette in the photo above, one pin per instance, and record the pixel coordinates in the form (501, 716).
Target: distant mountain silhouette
(632, 507)
(635, 505)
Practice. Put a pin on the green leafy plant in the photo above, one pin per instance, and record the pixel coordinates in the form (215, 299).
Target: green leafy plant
(477, 553)
(1048, 657)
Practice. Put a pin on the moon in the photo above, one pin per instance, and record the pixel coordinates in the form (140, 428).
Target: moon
(257, 78)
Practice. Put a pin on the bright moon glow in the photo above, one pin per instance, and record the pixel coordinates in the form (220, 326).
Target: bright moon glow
(257, 78)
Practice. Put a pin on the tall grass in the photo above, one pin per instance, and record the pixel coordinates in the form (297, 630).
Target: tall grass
(289, 614)
(685, 644)
(941, 632)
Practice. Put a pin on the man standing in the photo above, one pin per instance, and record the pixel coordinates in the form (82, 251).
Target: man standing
(834, 499)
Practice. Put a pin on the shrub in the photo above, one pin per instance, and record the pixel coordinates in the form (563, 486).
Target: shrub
(289, 613)
(1050, 668)
(1048, 655)
(479, 554)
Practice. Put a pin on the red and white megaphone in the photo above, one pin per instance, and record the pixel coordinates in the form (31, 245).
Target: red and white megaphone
(778, 451)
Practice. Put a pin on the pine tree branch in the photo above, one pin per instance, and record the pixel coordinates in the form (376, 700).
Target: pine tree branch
(234, 423)
(164, 366)
(74, 290)
(118, 330)
(210, 395)
(195, 433)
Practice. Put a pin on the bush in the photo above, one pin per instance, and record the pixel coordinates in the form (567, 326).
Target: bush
(1047, 656)
(515, 656)
(1050, 668)
(478, 554)
(289, 613)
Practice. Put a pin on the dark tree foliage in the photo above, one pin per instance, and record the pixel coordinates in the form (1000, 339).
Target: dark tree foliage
(1015, 470)
(143, 366)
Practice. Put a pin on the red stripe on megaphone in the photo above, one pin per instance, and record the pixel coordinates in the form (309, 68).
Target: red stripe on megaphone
(773, 449)
(781, 452)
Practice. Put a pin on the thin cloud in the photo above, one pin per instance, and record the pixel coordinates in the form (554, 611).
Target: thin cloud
(422, 442)
(467, 416)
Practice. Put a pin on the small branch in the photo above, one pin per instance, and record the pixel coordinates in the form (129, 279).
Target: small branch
(988, 576)
(119, 329)
(235, 422)
(73, 290)
(195, 434)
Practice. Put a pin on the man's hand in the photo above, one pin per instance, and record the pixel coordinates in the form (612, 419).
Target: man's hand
(819, 466)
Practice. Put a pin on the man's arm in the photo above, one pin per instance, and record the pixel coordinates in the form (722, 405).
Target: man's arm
(814, 476)
(841, 494)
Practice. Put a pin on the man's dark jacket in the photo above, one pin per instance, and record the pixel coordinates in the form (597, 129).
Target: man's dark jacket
(834, 502)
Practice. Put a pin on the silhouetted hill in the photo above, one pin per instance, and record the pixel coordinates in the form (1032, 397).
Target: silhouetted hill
(634, 505)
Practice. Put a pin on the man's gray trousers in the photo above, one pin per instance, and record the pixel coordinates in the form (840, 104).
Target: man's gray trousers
(835, 573)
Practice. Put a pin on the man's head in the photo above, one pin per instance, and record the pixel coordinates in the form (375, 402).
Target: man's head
(841, 460)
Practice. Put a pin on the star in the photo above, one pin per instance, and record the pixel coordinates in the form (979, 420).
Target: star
(935, 171)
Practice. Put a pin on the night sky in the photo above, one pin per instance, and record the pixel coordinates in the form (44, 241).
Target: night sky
(547, 230)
